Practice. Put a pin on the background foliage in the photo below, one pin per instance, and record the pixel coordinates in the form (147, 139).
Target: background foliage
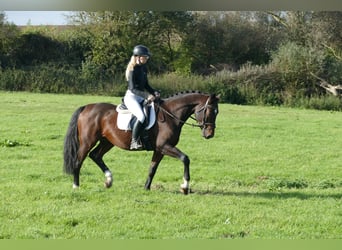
(248, 57)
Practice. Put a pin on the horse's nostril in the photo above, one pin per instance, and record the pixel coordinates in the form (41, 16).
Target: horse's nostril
(208, 136)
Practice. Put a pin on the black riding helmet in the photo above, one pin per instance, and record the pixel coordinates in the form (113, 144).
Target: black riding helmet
(141, 50)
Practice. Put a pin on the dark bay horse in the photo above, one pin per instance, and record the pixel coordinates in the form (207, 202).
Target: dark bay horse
(97, 122)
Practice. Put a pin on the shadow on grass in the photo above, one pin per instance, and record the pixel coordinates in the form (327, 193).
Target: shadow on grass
(270, 195)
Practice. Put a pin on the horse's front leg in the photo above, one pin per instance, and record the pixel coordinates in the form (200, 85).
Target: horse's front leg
(156, 158)
(176, 153)
(185, 187)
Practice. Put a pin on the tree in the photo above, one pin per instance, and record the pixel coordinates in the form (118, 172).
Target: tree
(8, 35)
(231, 38)
(326, 28)
(107, 34)
(335, 90)
(114, 34)
(327, 36)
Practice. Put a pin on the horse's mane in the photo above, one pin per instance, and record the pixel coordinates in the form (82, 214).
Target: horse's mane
(181, 93)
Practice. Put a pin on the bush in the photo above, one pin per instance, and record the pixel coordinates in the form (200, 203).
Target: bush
(252, 85)
(295, 62)
(171, 83)
(13, 80)
(333, 69)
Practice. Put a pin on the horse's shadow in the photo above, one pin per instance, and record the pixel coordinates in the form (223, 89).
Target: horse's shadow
(268, 195)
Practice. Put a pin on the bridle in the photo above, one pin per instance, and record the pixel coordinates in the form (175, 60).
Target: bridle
(203, 124)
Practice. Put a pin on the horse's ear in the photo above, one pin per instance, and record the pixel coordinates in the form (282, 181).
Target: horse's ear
(214, 96)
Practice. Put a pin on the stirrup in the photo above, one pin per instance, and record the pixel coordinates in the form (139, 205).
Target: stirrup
(135, 145)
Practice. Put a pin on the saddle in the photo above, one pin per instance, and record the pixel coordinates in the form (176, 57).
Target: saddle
(126, 119)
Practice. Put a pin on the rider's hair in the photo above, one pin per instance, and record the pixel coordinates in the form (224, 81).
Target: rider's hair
(130, 66)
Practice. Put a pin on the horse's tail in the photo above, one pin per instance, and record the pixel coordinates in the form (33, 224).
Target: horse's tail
(71, 143)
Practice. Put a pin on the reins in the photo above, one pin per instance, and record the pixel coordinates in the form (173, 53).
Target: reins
(191, 124)
(180, 120)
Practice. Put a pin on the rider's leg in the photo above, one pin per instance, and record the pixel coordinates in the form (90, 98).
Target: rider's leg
(133, 104)
(136, 132)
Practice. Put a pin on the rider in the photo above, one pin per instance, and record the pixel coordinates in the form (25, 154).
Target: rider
(136, 75)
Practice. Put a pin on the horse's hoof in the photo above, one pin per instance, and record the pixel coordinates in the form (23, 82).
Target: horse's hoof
(185, 191)
(107, 184)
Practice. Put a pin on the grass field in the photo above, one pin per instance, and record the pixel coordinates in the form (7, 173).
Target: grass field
(269, 173)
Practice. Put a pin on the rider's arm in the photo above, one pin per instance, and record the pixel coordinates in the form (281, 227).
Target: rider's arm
(130, 80)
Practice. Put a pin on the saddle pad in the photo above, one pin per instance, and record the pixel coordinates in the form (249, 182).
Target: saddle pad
(125, 118)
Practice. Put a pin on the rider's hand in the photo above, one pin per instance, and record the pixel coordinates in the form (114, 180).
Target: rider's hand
(157, 94)
(151, 98)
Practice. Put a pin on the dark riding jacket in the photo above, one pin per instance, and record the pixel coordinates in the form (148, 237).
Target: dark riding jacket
(137, 80)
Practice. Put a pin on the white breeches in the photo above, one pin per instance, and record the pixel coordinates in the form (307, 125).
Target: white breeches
(133, 103)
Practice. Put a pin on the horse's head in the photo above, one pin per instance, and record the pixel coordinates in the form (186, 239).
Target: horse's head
(206, 115)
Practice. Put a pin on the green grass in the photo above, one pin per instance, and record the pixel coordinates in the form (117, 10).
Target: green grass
(269, 173)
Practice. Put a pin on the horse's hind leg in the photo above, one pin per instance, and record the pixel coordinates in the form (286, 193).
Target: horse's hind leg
(82, 154)
(97, 156)
(76, 174)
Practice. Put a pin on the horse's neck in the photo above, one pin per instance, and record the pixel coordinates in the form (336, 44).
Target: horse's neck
(183, 109)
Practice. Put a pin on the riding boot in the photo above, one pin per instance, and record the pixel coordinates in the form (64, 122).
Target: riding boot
(136, 131)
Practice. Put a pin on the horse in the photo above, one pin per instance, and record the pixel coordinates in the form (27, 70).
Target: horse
(93, 128)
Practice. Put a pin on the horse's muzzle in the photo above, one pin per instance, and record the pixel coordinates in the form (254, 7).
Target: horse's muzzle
(208, 132)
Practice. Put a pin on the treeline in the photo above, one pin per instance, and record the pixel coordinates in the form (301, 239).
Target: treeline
(269, 58)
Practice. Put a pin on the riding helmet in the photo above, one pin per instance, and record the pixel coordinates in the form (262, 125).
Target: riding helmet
(141, 50)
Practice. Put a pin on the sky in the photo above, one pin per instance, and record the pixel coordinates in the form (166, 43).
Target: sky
(37, 17)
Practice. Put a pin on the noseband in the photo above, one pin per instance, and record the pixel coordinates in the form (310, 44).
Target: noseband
(203, 124)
